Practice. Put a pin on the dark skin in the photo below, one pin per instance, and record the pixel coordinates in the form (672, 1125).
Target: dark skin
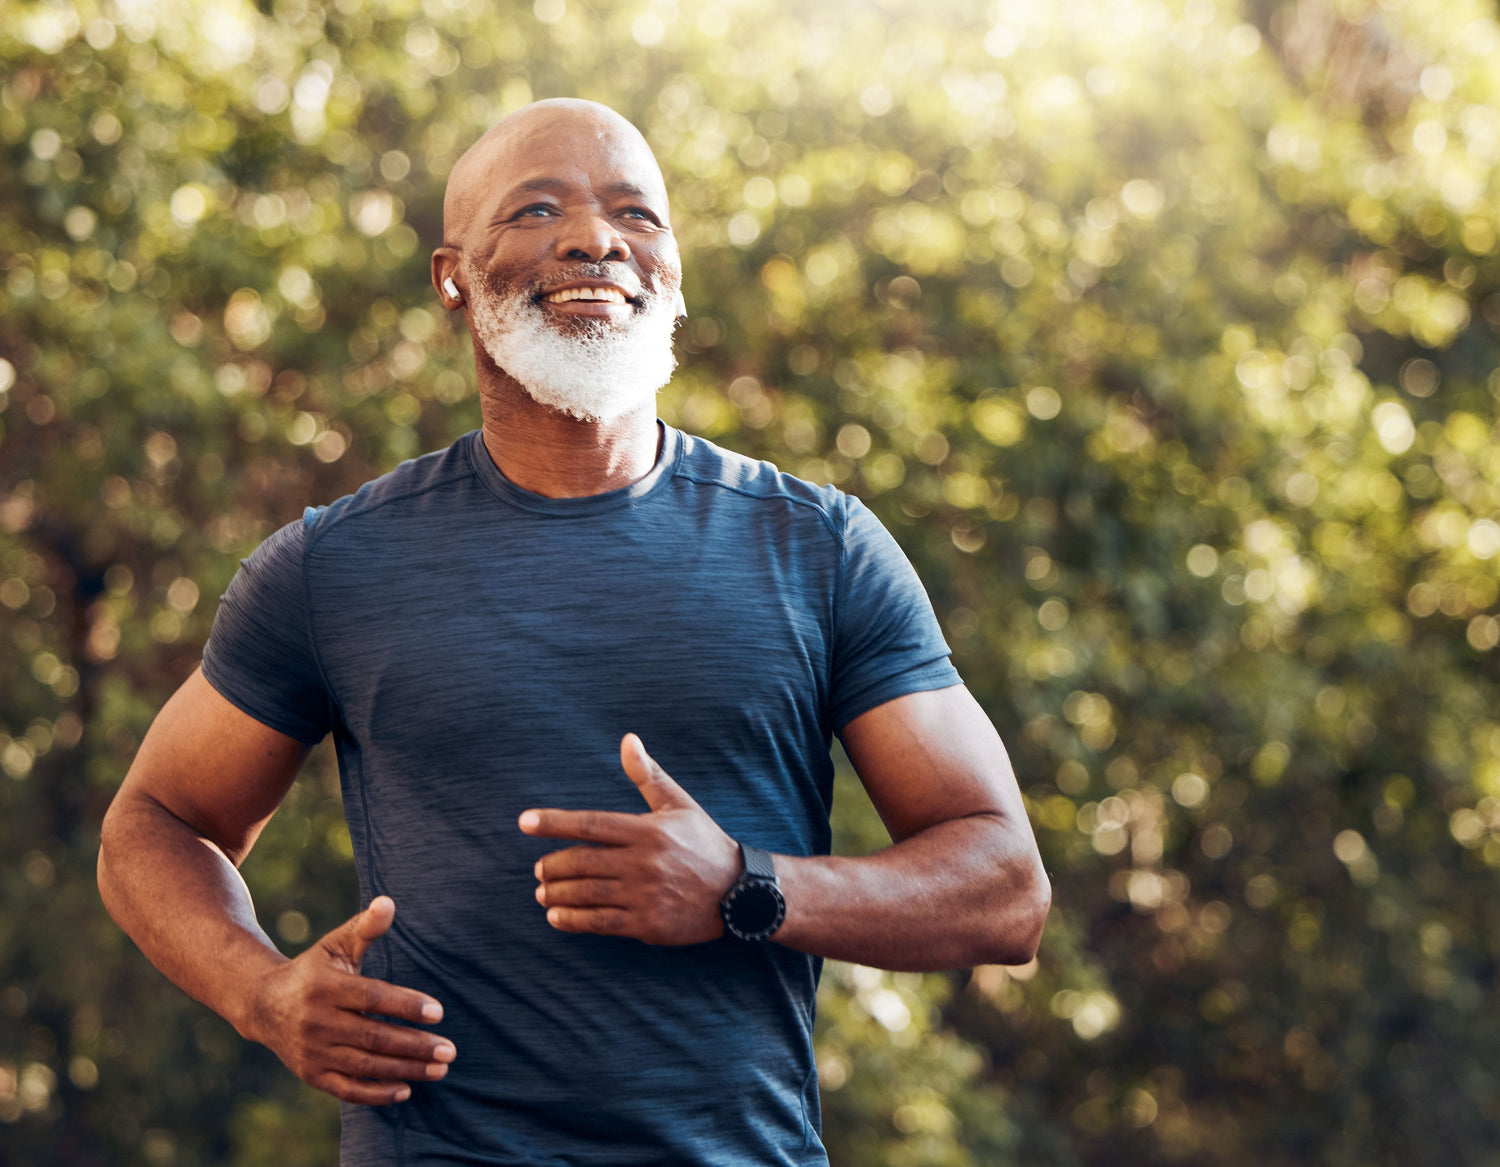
(205, 782)
(560, 189)
(564, 193)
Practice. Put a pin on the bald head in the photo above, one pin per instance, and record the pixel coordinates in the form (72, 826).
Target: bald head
(558, 249)
(591, 133)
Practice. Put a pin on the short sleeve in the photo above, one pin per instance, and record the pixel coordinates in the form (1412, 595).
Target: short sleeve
(260, 654)
(887, 642)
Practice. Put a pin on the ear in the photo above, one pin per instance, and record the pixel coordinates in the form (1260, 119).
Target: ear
(681, 306)
(448, 277)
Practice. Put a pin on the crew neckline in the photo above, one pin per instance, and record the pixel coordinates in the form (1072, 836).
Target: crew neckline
(589, 504)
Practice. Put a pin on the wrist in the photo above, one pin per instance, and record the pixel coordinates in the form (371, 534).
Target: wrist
(753, 908)
(251, 1009)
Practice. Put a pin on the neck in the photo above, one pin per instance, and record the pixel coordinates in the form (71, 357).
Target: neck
(557, 456)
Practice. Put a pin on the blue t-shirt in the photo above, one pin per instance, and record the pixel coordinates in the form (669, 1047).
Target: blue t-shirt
(476, 649)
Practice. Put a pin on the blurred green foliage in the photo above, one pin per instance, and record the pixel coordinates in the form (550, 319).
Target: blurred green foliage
(1164, 335)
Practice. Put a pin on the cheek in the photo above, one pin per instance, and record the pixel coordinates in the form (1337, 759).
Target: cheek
(661, 266)
(505, 279)
(515, 261)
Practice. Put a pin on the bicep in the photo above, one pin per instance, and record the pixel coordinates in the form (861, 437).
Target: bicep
(212, 766)
(929, 757)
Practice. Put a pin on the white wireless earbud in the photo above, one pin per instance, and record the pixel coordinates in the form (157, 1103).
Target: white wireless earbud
(452, 289)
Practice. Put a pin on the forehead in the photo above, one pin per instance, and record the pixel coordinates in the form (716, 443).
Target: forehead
(568, 149)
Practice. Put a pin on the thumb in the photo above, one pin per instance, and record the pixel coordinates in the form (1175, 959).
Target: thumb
(654, 783)
(349, 942)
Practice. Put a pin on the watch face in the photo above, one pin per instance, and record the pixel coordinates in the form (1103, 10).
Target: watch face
(754, 910)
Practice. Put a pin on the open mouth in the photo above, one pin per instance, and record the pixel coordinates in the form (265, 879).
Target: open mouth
(586, 295)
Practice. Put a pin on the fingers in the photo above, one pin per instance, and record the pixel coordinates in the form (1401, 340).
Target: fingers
(361, 1063)
(350, 1089)
(588, 893)
(581, 863)
(339, 1031)
(362, 1059)
(368, 995)
(654, 783)
(592, 826)
(374, 921)
(391, 1041)
(348, 943)
(602, 921)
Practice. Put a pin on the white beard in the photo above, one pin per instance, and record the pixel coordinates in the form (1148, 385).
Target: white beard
(598, 372)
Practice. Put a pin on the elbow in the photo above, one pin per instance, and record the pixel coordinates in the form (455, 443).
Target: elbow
(1018, 924)
(1038, 906)
(119, 836)
(103, 873)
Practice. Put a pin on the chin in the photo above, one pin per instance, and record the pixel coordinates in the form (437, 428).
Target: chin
(590, 368)
(586, 417)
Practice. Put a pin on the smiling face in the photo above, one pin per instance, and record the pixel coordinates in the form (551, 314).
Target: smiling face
(559, 240)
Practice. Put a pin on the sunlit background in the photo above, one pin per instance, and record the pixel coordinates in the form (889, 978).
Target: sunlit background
(1164, 336)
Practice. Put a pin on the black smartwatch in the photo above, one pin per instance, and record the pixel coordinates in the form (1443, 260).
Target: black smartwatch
(754, 907)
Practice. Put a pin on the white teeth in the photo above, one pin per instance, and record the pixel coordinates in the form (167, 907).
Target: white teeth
(608, 295)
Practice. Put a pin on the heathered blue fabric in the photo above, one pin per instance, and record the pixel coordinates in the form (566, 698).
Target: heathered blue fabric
(476, 650)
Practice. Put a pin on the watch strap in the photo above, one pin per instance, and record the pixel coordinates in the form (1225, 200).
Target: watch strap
(754, 908)
(758, 863)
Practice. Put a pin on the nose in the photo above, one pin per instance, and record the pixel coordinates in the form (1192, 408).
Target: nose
(589, 236)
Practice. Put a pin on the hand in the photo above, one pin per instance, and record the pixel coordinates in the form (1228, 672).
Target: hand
(657, 877)
(315, 1011)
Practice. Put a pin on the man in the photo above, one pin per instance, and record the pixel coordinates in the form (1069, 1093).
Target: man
(561, 962)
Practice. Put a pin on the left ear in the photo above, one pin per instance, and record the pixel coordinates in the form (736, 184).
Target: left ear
(681, 306)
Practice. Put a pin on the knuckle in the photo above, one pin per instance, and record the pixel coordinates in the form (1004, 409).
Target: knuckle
(400, 1043)
(374, 1066)
(410, 1043)
(332, 1084)
(327, 989)
(650, 867)
(311, 990)
(363, 1064)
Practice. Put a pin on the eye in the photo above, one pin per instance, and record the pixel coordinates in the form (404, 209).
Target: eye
(638, 213)
(536, 210)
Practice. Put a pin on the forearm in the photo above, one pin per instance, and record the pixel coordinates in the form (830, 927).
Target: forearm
(962, 892)
(185, 905)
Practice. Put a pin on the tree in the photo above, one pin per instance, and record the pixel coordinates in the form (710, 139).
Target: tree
(1163, 336)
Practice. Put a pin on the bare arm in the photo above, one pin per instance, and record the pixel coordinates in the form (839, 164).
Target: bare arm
(205, 782)
(963, 883)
